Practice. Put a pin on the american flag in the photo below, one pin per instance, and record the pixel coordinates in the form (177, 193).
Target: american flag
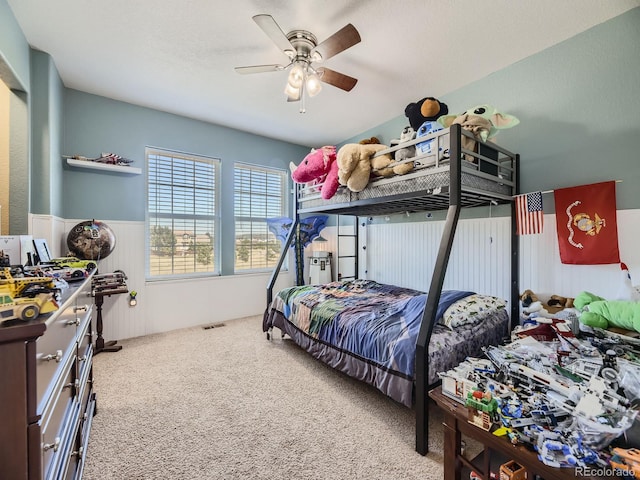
(530, 215)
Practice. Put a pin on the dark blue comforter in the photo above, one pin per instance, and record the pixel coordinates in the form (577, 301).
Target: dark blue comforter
(375, 322)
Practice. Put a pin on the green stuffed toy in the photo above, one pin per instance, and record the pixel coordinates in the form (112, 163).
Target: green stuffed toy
(600, 313)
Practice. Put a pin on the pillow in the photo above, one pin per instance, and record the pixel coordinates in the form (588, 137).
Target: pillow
(471, 309)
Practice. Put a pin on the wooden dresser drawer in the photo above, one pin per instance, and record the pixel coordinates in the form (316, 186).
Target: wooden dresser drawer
(55, 421)
(69, 448)
(51, 392)
(58, 344)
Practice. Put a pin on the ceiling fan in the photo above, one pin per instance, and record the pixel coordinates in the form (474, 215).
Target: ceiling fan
(304, 52)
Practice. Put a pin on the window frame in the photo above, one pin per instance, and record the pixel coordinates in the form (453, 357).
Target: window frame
(285, 210)
(217, 233)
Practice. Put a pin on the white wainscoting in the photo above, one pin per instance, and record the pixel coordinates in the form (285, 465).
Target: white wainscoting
(401, 254)
(404, 254)
(162, 305)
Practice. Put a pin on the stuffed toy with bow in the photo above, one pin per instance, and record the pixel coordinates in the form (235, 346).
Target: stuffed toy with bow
(484, 121)
(319, 166)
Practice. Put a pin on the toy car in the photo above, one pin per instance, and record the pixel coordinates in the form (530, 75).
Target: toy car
(25, 308)
(74, 262)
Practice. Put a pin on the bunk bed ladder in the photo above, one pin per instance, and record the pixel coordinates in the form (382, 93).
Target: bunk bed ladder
(352, 249)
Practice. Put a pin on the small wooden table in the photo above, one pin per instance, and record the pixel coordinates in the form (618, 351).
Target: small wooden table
(456, 423)
(101, 345)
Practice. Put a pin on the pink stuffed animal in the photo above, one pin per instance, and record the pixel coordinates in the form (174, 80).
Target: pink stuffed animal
(319, 166)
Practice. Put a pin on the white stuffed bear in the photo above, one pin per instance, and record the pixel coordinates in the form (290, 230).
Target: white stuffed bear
(403, 153)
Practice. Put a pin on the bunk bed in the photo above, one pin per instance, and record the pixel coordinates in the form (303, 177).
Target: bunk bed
(460, 179)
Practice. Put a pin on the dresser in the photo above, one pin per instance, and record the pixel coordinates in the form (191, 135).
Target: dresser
(47, 400)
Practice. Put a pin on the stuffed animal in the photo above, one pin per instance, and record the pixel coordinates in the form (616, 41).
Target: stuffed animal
(424, 110)
(407, 134)
(369, 141)
(354, 164)
(319, 166)
(428, 147)
(484, 121)
(627, 290)
(534, 307)
(600, 313)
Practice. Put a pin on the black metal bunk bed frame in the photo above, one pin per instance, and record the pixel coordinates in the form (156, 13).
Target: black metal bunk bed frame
(452, 198)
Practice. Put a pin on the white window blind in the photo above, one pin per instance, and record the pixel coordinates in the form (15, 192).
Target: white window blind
(259, 194)
(182, 214)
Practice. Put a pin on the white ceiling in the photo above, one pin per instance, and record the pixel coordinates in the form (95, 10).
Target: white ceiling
(179, 56)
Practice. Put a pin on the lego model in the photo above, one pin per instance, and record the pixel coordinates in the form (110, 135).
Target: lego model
(567, 397)
(25, 298)
(22, 286)
(25, 308)
(74, 262)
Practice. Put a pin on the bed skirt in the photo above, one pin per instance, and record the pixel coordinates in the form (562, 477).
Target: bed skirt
(447, 348)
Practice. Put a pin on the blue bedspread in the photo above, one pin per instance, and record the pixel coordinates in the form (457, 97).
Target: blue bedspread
(375, 322)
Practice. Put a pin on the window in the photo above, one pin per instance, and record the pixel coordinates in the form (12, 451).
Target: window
(182, 215)
(259, 193)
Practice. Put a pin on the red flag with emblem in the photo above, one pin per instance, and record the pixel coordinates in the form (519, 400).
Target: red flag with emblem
(587, 224)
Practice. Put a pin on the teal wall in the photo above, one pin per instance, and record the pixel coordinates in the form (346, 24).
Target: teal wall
(47, 113)
(579, 108)
(94, 124)
(578, 102)
(15, 73)
(14, 51)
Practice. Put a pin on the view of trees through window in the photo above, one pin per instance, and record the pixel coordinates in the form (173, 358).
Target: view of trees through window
(182, 214)
(259, 194)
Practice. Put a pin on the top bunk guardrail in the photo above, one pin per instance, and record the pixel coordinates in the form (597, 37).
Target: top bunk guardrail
(487, 174)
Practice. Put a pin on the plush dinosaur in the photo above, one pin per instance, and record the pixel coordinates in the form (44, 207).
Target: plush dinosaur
(319, 166)
(601, 313)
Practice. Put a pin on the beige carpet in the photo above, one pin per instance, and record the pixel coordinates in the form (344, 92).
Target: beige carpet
(225, 403)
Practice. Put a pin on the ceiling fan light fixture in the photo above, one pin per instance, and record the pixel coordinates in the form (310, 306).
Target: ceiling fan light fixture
(293, 93)
(313, 85)
(296, 76)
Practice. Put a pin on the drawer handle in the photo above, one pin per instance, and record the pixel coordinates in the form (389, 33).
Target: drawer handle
(75, 322)
(82, 358)
(82, 308)
(77, 453)
(57, 356)
(75, 383)
(55, 445)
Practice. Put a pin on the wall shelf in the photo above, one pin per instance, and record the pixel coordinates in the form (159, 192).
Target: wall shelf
(103, 166)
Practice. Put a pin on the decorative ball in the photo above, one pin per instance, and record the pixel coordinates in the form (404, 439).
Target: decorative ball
(91, 240)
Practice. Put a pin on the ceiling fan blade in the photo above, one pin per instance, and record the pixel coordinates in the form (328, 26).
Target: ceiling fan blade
(275, 33)
(337, 79)
(344, 38)
(259, 69)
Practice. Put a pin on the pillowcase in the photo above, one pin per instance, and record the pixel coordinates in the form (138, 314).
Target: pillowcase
(471, 309)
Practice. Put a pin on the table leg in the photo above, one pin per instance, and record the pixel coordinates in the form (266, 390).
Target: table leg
(101, 345)
(452, 441)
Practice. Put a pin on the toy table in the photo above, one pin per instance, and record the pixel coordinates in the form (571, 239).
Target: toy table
(456, 424)
(105, 286)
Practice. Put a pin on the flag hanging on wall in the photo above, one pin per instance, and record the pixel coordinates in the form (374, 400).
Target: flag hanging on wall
(530, 215)
(587, 224)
